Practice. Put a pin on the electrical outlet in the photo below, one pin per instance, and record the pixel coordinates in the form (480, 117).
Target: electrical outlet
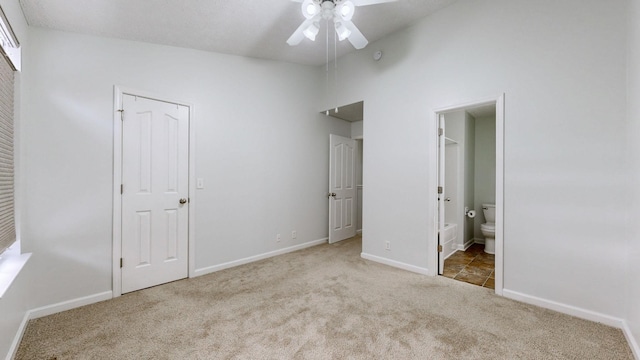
(294, 234)
(278, 237)
(387, 245)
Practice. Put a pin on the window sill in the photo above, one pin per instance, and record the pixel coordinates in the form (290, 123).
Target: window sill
(11, 263)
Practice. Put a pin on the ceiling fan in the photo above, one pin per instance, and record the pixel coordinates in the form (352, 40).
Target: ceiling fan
(338, 11)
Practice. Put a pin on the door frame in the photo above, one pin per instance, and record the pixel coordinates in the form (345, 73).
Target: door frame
(441, 183)
(432, 261)
(118, 92)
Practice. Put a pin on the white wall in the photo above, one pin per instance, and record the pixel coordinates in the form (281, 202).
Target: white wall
(454, 123)
(633, 115)
(564, 167)
(14, 303)
(357, 129)
(265, 171)
(485, 169)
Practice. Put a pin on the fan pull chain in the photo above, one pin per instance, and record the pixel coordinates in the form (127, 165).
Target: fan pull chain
(327, 33)
(335, 67)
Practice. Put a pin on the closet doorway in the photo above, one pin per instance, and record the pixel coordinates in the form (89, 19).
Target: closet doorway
(354, 115)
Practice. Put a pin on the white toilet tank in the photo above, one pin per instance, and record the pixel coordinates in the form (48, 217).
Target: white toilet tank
(489, 211)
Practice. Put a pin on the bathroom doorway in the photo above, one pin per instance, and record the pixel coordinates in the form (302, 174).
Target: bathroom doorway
(469, 205)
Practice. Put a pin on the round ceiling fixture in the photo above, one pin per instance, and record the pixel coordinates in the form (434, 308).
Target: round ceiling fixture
(310, 9)
(346, 10)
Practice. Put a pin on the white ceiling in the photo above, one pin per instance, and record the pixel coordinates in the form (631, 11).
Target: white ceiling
(254, 28)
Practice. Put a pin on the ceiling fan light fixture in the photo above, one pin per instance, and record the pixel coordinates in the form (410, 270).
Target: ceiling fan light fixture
(342, 31)
(310, 9)
(312, 31)
(346, 10)
(340, 12)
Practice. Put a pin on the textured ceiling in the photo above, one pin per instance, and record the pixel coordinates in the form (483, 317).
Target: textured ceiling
(254, 28)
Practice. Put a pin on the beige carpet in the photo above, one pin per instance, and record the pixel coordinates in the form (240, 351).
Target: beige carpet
(320, 303)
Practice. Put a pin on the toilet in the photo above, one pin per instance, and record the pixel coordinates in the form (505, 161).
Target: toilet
(489, 228)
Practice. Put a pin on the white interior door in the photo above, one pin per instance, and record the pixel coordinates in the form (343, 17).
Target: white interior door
(155, 209)
(441, 191)
(342, 188)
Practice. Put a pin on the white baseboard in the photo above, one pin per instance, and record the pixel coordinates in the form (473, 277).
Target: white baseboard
(579, 313)
(466, 245)
(69, 304)
(565, 309)
(396, 264)
(635, 347)
(18, 338)
(359, 232)
(478, 241)
(230, 264)
(53, 309)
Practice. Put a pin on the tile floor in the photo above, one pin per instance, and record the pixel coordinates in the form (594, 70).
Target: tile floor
(473, 266)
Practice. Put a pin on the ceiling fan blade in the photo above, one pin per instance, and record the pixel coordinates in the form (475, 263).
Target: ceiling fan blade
(298, 35)
(356, 38)
(369, 2)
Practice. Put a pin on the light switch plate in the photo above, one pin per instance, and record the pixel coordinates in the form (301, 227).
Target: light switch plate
(199, 183)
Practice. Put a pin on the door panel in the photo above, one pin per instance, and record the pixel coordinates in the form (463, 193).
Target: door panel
(143, 237)
(155, 168)
(342, 188)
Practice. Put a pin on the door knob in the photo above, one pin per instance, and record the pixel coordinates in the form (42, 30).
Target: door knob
(183, 201)
(331, 195)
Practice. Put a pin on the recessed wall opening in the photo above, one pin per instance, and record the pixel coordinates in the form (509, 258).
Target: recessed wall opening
(351, 112)
(350, 213)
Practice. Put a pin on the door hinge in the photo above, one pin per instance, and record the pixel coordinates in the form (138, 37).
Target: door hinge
(440, 131)
(439, 248)
(121, 111)
(120, 263)
(121, 189)
(440, 189)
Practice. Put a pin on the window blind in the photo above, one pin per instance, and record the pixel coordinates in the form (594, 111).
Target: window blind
(7, 222)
